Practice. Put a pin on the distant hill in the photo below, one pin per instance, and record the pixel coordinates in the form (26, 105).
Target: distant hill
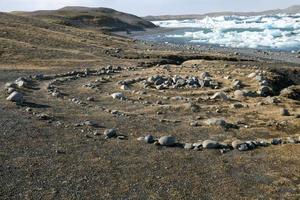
(289, 10)
(91, 18)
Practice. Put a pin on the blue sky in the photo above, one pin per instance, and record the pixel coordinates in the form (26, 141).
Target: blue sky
(152, 7)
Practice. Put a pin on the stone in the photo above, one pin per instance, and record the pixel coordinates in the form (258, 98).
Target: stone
(220, 95)
(237, 105)
(21, 82)
(236, 143)
(243, 147)
(291, 92)
(149, 139)
(252, 75)
(110, 133)
(239, 94)
(118, 95)
(237, 84)
(16, 97)
(210, 144)
(204, 75)
(10, 90)
(188, 146)
(284, 112)
(10, 85)
(89, 123)
(167, 141)
(276, 141)
(271, 100)
(43, 116)
(124, 87)
(216, 122)
(96, 133)
(193, 107)
(90, 99)
(265, 91)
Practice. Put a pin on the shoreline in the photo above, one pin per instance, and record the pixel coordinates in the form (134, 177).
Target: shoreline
(265, 54)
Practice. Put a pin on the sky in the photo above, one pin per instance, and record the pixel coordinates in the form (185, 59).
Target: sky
(151, 7)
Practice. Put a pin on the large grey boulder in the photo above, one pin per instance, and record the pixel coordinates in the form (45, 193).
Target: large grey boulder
(167, 141)
(16, 97)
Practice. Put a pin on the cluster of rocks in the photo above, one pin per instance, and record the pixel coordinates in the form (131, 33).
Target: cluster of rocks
(265, 88)
(13, 89)
(170, 141)
(161, 82)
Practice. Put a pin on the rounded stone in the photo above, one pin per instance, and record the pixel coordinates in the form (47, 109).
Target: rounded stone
(210, 144)
(236, 143)
(167, 141)
(149, 139)
(109, 133)
(15, 97)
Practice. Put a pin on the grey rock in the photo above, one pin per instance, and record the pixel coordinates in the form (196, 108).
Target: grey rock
(149, 139)
(236, 143)
(118, 95)
(110, 133)
(16, 97)
(265, 91)
(188, 146)
(243, 147)
(210, 144)
(167, 141)
(284, 112)
(220, 95)
(276, 141)
(216, 122)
